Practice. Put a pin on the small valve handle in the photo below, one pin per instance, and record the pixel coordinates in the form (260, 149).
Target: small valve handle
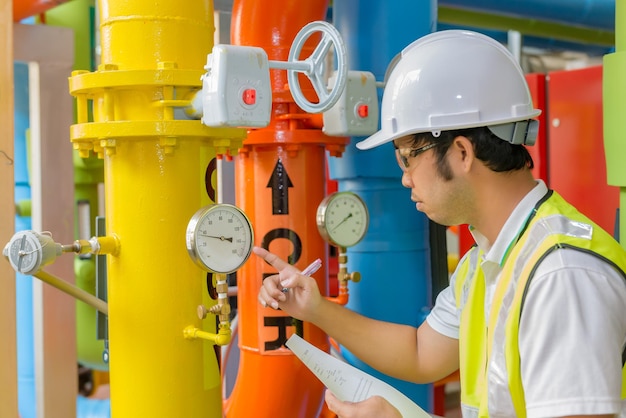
(355, 276)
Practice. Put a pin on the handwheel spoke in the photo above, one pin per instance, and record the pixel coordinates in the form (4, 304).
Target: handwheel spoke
(321, 50)
(319, 86)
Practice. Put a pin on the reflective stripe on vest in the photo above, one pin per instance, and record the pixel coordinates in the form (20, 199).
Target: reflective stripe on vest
(469, 264)
(500, 398)
(500, 392)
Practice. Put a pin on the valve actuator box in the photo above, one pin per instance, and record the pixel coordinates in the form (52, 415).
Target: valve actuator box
(236, 88)
(356, 111)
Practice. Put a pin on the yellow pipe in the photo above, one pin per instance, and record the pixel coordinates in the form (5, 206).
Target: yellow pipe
(223, 336)
(153, 54)
(74, 291)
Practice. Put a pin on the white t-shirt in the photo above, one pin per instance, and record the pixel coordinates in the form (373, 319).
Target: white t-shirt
(573, 325)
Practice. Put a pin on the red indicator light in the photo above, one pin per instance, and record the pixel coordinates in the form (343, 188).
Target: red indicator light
(249, 96)
(362, 110)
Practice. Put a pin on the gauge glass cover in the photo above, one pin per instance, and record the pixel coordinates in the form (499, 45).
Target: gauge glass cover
(219, 238)
(342, 219)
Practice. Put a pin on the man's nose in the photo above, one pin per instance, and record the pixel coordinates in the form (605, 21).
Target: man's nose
(406, 180)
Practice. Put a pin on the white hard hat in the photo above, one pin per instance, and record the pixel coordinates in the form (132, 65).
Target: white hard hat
(455, 79)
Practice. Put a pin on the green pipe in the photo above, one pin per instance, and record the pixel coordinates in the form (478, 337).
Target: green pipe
(620, 34)
(613, 93)
(88, 173)
(531, 27)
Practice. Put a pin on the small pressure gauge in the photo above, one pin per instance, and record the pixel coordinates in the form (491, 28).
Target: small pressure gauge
(28, 251)
(342, 219)
(219, 238)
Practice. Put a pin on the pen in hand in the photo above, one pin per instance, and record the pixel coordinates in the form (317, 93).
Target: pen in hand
(309, 270)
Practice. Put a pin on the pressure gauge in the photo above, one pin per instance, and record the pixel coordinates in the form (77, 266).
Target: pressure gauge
(342, 219)
(28, 251)
(219, 238)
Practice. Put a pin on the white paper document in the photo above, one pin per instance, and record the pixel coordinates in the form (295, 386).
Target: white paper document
(349, 383)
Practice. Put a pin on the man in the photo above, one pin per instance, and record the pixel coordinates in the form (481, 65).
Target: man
(535, 314)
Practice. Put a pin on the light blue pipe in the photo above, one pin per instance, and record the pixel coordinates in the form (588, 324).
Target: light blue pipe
(92, 408)
(599, 14)
(393, 258)
(24, 284)
(25, 346)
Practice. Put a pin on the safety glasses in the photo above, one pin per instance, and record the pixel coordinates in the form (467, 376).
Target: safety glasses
(403, 154)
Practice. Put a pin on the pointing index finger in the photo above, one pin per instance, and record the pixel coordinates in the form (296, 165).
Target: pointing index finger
(271, 258)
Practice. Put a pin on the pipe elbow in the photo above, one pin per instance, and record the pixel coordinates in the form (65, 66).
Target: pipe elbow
(223, 337)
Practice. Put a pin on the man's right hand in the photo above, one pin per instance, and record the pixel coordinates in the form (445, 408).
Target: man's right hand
(301, 296)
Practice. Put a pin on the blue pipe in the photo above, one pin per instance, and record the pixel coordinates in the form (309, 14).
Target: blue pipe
(599, 14)
(538, 42)
(374, 32)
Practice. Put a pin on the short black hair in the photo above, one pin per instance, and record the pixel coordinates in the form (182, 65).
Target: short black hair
(497, 154)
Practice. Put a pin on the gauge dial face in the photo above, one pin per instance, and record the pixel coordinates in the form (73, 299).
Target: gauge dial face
(24, 252)
(219, 238)
(342, 219)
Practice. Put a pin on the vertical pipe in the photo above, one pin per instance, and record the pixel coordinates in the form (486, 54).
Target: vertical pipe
(157, 174)
(280, 180)
(153, 287)
(25, 353)
(397, 235)
(613, 93)
(88, 174)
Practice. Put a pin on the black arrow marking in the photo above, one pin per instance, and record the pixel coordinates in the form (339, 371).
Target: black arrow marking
(280, 184)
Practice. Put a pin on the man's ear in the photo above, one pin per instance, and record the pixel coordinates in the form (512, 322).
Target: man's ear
(464, 151)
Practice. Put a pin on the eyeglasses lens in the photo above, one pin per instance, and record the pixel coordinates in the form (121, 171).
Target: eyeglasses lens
(403, 154)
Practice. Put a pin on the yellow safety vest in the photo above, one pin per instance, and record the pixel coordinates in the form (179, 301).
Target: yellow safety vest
(490, 374)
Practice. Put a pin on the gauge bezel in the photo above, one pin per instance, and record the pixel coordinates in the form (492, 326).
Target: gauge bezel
(322, 217)
(191, 236)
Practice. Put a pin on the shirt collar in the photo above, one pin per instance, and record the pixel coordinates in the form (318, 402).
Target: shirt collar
(499, 250)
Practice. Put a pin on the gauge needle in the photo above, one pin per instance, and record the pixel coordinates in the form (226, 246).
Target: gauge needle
(221, 238)
(344, 219)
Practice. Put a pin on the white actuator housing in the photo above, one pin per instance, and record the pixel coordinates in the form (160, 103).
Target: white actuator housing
(356, 111)
(236, 88)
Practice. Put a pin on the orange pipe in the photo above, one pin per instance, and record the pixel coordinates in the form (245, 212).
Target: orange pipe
(280, 180)
(272, 25)
(27, 8)
(342, 297)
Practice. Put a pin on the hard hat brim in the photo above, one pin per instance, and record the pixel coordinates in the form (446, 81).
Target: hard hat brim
(378, 138)
(383, 136)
